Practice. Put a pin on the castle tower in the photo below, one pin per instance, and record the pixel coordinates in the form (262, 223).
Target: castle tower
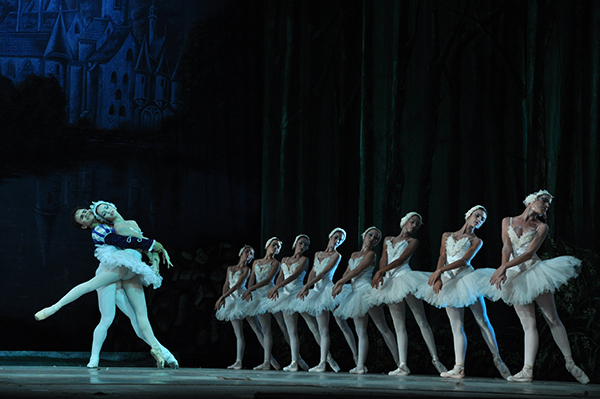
(117, 10)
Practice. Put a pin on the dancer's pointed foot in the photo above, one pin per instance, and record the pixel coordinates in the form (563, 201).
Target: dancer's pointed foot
(332, 363)
(275, 363)
(264, 366)
(402, 370)
(525, 375)
(438, 365)
(45, 313)
(236, 366)
(457, 372)
(293, 367)
(359, 370)
(303, 364)
(504, 371)
(170, 359)
(93, 364)
(320, 368)
(160, 361)
(576, 371)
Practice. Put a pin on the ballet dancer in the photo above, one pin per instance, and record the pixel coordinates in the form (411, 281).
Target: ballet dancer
(394, 284)
(455, 285)
(260, 283)
(523, 279)
(316, 299)
(230, 306)
(355, 306)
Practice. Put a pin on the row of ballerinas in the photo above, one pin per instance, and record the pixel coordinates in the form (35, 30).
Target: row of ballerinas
(278, 289)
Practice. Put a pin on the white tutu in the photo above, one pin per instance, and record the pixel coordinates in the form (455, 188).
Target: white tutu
(461, 287)
(319, 299)
(397, 285)
(259, 304)
(235, 307)
(286, 299)
(354, 303)
(111, 257)
(525, 282)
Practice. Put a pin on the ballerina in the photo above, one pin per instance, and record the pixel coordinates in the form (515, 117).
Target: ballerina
(261, 281)
(116, 264)
(230, 306)
(455, 285)
(355, 305)
(394, 283)
(523, 279)
(315, 298)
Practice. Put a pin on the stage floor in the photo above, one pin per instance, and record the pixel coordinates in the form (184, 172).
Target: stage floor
(146, 382)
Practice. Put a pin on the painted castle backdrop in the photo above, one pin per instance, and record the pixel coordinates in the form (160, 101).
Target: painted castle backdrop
(112, 75)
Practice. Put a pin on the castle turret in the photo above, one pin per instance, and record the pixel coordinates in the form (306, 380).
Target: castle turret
(176, 97)
(143, 70)
(161, 95)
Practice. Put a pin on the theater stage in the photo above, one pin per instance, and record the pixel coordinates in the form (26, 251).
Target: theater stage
(146, 382)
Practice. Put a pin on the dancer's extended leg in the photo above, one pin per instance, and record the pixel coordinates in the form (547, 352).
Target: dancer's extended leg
(103, 278)
(135, 292)
(378, 318)
(125, 306)
(398, 312)
(252, 320)
(478, 309)
(348, 335)
(323, 323)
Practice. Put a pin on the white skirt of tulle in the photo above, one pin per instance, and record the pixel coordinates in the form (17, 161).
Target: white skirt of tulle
(235, 308)
(259, 304)
(396, 287)
(459, 290)
(526, 282)
(285, 300)
(111, 257)
(354, 303)
(319, 299)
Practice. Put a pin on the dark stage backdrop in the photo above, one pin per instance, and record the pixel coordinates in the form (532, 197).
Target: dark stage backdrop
(306, 115)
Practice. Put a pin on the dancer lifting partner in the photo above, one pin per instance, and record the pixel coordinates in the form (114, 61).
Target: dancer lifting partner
(523, 279)
(455, 285)
(118, 265)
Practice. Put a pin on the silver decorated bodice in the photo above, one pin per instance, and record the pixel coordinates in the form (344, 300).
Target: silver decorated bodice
(364, 278)
(394, 251)
(233, 280)
(288, 270)
(455, 250)
(318, 268)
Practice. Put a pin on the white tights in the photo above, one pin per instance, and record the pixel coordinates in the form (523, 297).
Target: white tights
(378, 318)
(398, 312)
(109, 298)
(240, 342)
(348, 335)
(526, 314)
(133, 289)
(457, 316)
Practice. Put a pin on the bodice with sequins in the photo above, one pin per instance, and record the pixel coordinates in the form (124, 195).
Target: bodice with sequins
(233, 280)
(288, 270)
(365, 276)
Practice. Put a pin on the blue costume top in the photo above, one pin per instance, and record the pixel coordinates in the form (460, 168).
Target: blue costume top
(105, 234)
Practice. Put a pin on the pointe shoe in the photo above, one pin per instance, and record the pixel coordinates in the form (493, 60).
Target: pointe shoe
(275, 363)
(358, 370)
(293, 367)
(303, 364)
(332, 363)
(45, 313)
(264, 366)
(170, 360)
(504, 371)
(439, 366)
(160, 361)
(93, 364)
(457, 372)
(320, 368)
(402, 370)
(236, 366)
(525, 375)
(577, 372)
